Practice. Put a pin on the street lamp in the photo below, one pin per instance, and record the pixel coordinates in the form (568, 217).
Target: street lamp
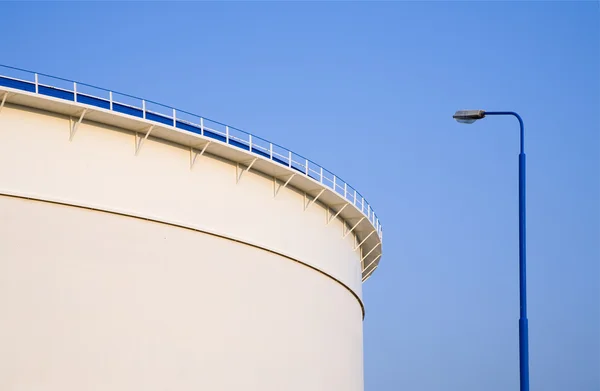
(470, 116)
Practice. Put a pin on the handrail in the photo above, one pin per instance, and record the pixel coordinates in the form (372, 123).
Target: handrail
(281, 155)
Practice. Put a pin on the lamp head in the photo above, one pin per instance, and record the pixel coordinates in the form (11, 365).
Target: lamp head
(468, 116)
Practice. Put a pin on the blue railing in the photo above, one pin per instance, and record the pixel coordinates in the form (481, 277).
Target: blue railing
(82, 93)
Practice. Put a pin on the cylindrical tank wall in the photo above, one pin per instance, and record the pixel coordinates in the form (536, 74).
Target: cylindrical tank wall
(228, 287)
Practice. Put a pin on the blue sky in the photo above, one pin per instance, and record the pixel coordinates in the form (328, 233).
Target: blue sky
(368, 91)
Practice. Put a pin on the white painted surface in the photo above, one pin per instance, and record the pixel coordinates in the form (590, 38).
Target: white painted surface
(96, 301)
(349, 208)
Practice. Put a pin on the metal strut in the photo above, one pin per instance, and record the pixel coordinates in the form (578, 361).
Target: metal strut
(194, 155)
(372, 262)
(276, 189)
(76, 124)
(4, 96)
(352, 229)
(365, 239)
(140, 141)
(314, 199)
(337, 214)
(239, 176)
(365, 278)
(370, 251)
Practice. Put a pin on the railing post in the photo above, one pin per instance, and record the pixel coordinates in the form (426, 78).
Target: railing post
(36, 83)
(174, 118)
(227, 134)
(75, 91)
(362, 204)
(202, 126)
(250, 141)
(334, 184)
(345, 190)
(306, 166)
(271, 150)
(144, 108)
(290, 158)
(110, 98)
(354, 197)
(321, 174)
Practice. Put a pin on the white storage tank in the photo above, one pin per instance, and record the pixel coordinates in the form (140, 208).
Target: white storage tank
(145, 248)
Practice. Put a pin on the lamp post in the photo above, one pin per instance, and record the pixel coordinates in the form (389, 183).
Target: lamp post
(470, 116)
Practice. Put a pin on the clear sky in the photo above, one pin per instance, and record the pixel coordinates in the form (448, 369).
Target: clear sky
(368, 90)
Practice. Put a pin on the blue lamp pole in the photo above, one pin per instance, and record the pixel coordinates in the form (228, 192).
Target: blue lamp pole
(470, 116)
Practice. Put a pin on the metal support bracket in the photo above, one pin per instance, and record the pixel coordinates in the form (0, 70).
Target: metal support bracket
(372, 262)
(314, 199)
(370, 251)
(194, 155)
(365, 278)
(365, 239)
(276, 189)
(352, 229)
(73, 126)
(338, 213)
(139, 141)
(238, 177)
(4, 96)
